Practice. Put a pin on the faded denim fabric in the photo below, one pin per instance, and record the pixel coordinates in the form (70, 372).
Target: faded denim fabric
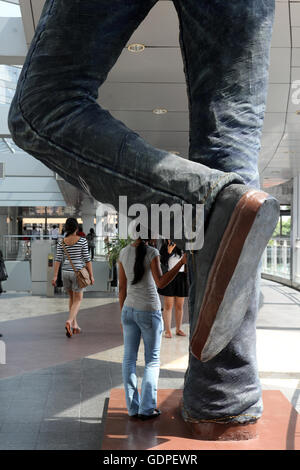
(225, 48)
(139, 324)
(55, 117)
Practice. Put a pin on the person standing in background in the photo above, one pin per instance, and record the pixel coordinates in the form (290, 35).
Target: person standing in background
(35, 233)
(175, 292)
(3, 272)
(55, 233)
(91, 242)
(80, 232)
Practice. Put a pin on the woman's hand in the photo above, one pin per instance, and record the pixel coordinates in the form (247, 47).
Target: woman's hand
(92, 280)
(171, 247)
(53, 282)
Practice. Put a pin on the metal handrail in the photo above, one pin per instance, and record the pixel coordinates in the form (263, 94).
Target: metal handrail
(18, 247)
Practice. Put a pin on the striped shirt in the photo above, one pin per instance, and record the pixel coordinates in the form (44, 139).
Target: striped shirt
(79, 254)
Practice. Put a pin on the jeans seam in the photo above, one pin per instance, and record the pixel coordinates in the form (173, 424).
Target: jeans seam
(188, 82)
(85, 160)
(185, 59)
(204, 199)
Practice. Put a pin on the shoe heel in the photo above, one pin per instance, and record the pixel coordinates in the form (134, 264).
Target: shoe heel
(68, 330)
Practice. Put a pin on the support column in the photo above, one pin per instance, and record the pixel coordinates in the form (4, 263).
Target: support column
(88, 212)
(103, 213)
(295, 241)
(3, 225)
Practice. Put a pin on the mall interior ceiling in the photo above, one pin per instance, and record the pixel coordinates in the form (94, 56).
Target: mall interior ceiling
(146, 88)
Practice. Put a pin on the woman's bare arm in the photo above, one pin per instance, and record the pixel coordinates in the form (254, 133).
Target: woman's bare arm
(162, 280)
(122, 285)
(55, 274)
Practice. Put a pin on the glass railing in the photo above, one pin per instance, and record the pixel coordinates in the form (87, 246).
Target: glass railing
(18, 247)
(276, 259)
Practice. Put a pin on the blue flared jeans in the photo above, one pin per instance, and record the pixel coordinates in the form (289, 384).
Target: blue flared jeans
(55, 116)
(148, 326)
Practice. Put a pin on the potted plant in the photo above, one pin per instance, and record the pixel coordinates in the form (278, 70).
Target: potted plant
(112, 249)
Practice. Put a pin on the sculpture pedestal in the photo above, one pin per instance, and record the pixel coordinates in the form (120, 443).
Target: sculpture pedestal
(277, 429)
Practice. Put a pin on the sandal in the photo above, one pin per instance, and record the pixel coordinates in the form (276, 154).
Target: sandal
(180, 333)
(76, 331)
(68, 329)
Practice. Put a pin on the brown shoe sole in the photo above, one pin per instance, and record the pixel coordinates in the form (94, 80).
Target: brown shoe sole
(242, 220)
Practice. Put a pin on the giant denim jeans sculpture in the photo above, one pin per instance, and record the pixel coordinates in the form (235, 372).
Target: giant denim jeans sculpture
(55, 117)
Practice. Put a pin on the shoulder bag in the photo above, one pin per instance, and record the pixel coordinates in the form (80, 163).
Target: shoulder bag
(83, 277)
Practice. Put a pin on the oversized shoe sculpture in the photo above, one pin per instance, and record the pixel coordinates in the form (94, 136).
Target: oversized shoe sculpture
(240, 225)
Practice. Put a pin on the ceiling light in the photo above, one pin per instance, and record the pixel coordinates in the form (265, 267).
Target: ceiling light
(136, 47)
(160, 111)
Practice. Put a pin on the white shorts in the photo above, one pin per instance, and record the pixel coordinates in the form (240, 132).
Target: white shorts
(70, 281)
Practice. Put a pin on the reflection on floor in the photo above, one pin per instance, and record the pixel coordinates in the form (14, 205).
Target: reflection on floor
(54, 391)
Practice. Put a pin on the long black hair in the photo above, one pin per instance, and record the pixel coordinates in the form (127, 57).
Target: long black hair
(164, 255)
(71, 226)
(140, 253)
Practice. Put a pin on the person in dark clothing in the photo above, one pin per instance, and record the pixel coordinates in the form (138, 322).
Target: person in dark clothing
(3, 272)
(80, 232)
(91, 242)
(3, 275)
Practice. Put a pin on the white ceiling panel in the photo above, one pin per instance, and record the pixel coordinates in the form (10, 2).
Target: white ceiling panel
(281, 164)
(291, 138)
(274, 172)
(146, 120)
(160, 27)
(143, 96)
(277, 98)
(270, 139)
(274, 122)
(267, 152)
(37, 7)
(281, 34)
(159, 64)
(295, 74)
(296, 36)
(294, 102)
(166, 139)
(279, 71)
(293, 118)
(292, 128)
(296, 57)
(295, 14)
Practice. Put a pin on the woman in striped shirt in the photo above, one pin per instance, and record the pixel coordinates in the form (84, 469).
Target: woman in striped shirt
(77, 248)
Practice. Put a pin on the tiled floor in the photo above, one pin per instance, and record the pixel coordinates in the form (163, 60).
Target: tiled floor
(54, 391)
